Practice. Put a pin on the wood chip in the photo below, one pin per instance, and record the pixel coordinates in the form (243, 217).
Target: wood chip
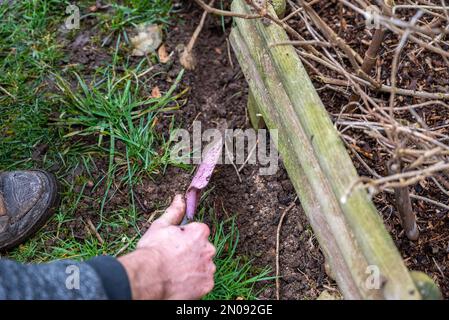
(156, 92)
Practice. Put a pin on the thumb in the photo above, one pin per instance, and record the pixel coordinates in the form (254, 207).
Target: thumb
(174, 213)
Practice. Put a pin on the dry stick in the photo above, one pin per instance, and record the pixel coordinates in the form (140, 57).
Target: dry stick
(426, 8)
(329, 59)
(402, 194)
(383, 88)
(285, 19)
(394, 24)
(301, 43)
(410, 92)
(122, 249)
(421, 43)
(446, 13)
(94, 231)
(353, 56)
(437, 40)
(443, 181)
(249, 155)
(6, 92)
(413, 196)
(237, 171)
(404, 206)
(424, 199)
(262, 13)
(442, 189)
(225, 13)
(395, 64)
(278, 233)
(187, 58)
(373, 50)
(438, 267)
(398, 180)
(405, 130)
(228, 47)
(422, 158)
(350, 77)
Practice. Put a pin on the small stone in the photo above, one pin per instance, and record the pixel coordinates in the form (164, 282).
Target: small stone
(147, 40)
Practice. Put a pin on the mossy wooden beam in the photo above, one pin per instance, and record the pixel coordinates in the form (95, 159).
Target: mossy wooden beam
(310, 200)
(318, 164)
(295, 148)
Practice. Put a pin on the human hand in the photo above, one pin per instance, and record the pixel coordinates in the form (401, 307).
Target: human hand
(171, 261)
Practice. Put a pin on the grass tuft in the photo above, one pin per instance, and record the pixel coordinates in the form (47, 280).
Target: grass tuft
(235, 277)
(117, 111)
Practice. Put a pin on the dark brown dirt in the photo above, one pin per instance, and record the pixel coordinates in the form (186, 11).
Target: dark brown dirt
(217, 91)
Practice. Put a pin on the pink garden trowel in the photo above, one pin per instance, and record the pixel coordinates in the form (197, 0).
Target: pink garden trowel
(202, 177)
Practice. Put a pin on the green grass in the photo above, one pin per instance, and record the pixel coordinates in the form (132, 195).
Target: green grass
(88, 117)
(133, 12)
(235, 277)
(27, 52)
(119, 112)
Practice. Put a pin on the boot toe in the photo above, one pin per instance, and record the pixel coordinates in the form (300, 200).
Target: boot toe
(27, 198)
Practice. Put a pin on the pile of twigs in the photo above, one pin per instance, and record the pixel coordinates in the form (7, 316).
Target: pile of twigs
(376, 103)
(397, 118)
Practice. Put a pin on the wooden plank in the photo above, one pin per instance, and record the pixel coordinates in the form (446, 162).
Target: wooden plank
(308, 197)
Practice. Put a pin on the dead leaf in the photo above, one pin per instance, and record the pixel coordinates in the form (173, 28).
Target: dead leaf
(164, 57)
(156, 92)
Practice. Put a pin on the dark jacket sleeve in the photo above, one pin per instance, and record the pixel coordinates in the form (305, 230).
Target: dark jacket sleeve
(100, 278)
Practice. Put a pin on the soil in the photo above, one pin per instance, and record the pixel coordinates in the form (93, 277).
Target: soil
(217, 91)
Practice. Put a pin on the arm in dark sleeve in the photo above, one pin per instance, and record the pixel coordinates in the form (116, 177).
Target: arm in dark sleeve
(99, 278)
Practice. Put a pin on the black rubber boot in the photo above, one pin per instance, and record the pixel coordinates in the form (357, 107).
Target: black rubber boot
(27, 201)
